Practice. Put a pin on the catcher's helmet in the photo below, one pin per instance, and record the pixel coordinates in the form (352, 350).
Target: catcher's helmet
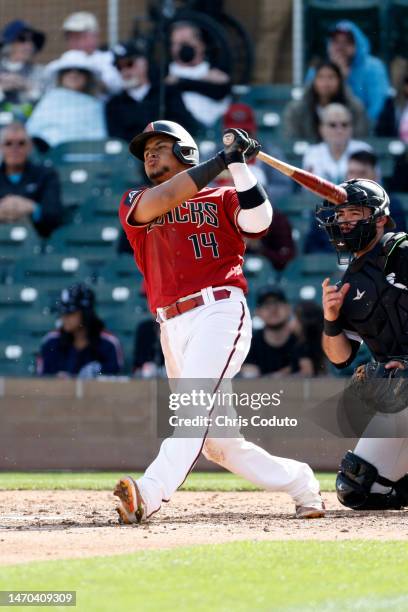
(185, 148)
(360, 192)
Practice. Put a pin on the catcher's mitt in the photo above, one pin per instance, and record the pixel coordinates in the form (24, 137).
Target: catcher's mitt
(383, 390)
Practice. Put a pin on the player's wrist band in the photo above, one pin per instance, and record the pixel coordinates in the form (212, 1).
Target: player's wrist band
(332, 328)
(204, 173)
(253, 197)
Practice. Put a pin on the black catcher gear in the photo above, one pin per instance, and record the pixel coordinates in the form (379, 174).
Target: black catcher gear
(360, 193)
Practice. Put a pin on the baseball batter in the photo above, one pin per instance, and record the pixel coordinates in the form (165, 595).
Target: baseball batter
(370, 305)
(188, 243)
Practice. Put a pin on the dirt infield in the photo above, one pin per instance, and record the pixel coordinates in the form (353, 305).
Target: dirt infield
(37, 525)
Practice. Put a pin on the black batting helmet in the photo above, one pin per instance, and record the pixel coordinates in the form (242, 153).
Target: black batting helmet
(360, 192)
(185, 148)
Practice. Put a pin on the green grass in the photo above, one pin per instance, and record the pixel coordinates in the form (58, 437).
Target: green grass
(100, 481)
(279, 576)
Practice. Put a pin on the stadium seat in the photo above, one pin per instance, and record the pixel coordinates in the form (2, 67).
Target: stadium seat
(17, 298)
(318, 264)
(320, 15)
(28, 327)
(15, 360)
(120, 269)
(398, 29)
(90, 241)
(298, 204)
(45, 268)
(107, 161)
(16, 241)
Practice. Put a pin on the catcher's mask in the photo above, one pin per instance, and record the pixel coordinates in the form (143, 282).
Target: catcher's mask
(353, 236)
(185, 148)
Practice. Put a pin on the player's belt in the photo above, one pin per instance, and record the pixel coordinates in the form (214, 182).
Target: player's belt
(182, 306)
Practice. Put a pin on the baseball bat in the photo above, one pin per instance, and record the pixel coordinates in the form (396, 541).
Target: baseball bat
(316, 184)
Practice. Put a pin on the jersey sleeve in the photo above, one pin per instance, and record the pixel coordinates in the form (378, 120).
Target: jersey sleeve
(232, 208)
(127, 205)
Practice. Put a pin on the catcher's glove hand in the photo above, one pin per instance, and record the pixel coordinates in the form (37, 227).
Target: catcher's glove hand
(382, 389)
(239, 147)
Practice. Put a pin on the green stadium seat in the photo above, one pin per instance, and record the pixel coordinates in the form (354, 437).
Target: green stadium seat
(320, 15)
(298, 204)
(17, 298)
(318, 264)
(120, 269)
(106, 162)
(398, 29)
(28, 327)
(89, 241)
(47, 268)
(17, 240)
(15, 360)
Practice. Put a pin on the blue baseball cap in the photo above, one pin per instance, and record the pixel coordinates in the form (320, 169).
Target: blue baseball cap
(17, 28)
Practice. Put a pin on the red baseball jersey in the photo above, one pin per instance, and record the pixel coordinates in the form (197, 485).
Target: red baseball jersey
(198, 244)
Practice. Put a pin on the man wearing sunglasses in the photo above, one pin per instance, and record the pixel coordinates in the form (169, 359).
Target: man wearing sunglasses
(329, 158)
(27, 191)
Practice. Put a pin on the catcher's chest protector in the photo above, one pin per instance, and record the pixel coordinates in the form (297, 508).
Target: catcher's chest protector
(375, 308)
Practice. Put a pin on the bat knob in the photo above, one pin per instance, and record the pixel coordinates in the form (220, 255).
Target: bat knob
(228, 139)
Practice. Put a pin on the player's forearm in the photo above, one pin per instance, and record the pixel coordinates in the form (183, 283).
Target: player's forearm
(181, 187)
(256, 210)
(337, 348)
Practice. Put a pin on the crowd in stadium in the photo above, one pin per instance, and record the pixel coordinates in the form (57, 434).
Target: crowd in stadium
(88, 94)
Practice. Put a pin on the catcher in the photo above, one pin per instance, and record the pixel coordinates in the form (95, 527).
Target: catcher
(370, 304)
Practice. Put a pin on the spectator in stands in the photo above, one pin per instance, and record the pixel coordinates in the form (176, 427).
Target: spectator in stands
(21, 79)
(70, 110)
(81, 33)
(273, 349)
(148, 359)
(27, 191)
(277, 245)
(328, 159)
(365, 74)
(301, 118)
(361, 164)
(308, 326)
(204, 89)
(128, 112)
(81, 347)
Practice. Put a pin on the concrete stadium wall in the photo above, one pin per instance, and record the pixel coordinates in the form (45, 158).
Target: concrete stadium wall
(111, 425)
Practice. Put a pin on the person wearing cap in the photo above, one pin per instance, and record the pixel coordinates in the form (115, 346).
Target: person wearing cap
(70, 110)
(274, 348)
(82, 33)
(28, 191)
(138, 104)
(204, 89)
(21, 79)
(81, 346)
(366, 75)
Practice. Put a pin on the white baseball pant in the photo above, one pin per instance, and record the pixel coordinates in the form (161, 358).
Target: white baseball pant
(211, 342)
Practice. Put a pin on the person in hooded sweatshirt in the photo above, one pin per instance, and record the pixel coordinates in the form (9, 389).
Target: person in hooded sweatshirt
(366, 75)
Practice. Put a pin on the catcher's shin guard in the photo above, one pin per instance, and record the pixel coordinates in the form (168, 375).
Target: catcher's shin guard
(355, 479)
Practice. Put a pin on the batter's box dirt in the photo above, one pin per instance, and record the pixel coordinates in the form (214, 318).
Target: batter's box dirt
(39, 525)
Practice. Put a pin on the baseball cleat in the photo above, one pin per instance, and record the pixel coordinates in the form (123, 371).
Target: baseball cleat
(132, 508)
(316, 509)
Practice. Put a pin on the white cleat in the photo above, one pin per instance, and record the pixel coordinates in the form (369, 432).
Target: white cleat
(132, 508)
